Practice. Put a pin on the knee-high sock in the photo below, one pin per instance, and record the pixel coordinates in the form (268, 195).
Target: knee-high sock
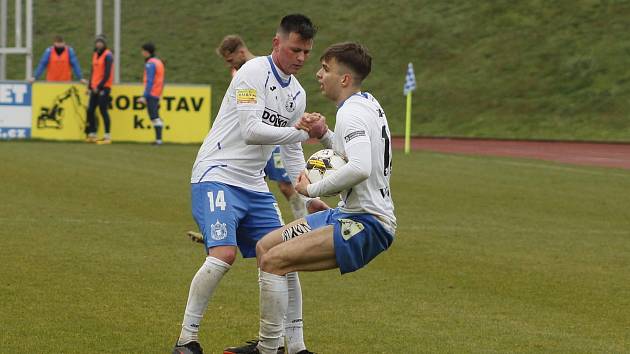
(157, 125)
(294, 327)
(201, 289)
(273, 308)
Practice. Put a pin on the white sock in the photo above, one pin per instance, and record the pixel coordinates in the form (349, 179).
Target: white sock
(273, 309)
(294, 327)
(201, 288)
(282, 339)
(298, 205)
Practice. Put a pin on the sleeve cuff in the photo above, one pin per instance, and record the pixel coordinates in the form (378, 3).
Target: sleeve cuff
(310, 190)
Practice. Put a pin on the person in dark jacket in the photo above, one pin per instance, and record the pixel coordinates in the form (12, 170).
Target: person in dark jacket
(99, 88)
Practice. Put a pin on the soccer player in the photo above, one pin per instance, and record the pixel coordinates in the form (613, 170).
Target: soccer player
(231, 202)
(153, 79)
(235, 53)
(363, 225)
(59, 61)
(100, 86)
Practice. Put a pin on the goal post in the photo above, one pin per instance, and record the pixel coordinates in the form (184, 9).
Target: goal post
(18, 48)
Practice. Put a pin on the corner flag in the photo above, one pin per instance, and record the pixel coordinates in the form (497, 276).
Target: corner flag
(410, 85)
(410, 80)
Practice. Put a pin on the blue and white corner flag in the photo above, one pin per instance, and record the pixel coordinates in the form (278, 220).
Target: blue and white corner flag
(410, 80)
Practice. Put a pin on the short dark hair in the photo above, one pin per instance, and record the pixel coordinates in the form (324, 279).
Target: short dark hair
(230, 44)
(149, 47)
(353, 55)
(299, 24)
(58, 39)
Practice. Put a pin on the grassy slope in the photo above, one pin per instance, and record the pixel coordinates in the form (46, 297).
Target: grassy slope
(492, 255)
(527, 69)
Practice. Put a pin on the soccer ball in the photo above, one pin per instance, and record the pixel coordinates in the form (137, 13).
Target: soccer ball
(323, 164)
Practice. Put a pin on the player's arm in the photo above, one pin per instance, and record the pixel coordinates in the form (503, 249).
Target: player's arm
(43, 63)
(293, 160)
(249, 93)
(359, 153)
(327, 139)
(108, 71)
(150, 69)
(255, 132)
(74, 63)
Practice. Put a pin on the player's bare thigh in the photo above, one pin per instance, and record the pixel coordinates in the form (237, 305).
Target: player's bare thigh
(292, 229)
(311, 251)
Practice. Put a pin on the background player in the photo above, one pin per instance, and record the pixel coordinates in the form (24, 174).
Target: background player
(59, 61)
(100, 87)
(153, 79)
(231, 202)
(351, 235)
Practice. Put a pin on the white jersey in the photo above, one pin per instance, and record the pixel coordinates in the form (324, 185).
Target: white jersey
(362, 136)
(259, 110)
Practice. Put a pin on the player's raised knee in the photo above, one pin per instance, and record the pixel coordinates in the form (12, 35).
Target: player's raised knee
(272, 262)
(261, 249)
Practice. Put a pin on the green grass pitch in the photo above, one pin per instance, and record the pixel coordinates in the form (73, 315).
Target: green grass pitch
(492, 255)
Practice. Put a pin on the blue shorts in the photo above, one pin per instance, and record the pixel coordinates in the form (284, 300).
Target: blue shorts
(233, 216)
(275, 169)
(358, 238)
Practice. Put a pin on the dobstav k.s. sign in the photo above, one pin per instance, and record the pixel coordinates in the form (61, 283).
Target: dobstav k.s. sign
(59, 113)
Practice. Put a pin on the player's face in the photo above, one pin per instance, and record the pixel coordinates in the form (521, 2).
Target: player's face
(292, 52)
(235, 60)
(330, 79)
(145, 53)
(59, 44)
(99, 45)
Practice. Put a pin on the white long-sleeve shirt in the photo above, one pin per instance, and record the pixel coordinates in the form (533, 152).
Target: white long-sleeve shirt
(258, 111)
(362, 136)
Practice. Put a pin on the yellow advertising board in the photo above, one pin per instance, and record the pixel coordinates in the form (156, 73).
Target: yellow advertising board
(59, 113)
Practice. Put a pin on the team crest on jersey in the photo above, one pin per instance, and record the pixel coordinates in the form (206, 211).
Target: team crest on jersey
(350, 228)
(290, 105)
(219, 230)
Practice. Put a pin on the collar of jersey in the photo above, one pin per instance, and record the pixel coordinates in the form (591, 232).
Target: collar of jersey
(277, 75)
(361, 94)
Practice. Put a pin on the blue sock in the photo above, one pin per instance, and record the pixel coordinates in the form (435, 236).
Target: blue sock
(158, 132)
